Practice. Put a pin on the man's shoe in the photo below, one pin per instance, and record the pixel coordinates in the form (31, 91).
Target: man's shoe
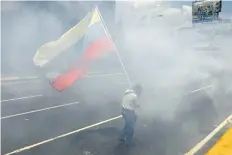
(122, 139)
(130, 144)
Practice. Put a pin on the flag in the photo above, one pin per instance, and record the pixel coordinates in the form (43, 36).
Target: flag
(50, 50)
(96, 42)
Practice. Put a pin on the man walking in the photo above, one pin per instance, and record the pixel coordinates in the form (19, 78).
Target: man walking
(129, 104)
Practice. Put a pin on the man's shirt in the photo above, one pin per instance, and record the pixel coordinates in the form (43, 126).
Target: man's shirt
(130, 100)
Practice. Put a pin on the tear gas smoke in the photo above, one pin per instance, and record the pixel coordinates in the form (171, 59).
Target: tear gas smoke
(164, 60)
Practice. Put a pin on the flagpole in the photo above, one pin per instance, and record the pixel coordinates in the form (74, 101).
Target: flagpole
(111, 40)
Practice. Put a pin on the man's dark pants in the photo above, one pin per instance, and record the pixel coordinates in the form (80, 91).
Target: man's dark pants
(128, 130)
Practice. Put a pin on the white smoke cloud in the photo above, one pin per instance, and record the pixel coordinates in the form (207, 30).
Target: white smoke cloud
(171, 58)
(166, 53)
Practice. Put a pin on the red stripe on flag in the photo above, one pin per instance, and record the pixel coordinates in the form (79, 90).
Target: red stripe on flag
(92, 52)
(97, 48)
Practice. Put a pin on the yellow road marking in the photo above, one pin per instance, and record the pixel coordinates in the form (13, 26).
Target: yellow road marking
(61, 136)
(207, 138)
(39, 110)
(223, 145)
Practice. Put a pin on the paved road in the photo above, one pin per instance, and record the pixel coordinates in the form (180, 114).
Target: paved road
(20, 131)
(153, 134)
